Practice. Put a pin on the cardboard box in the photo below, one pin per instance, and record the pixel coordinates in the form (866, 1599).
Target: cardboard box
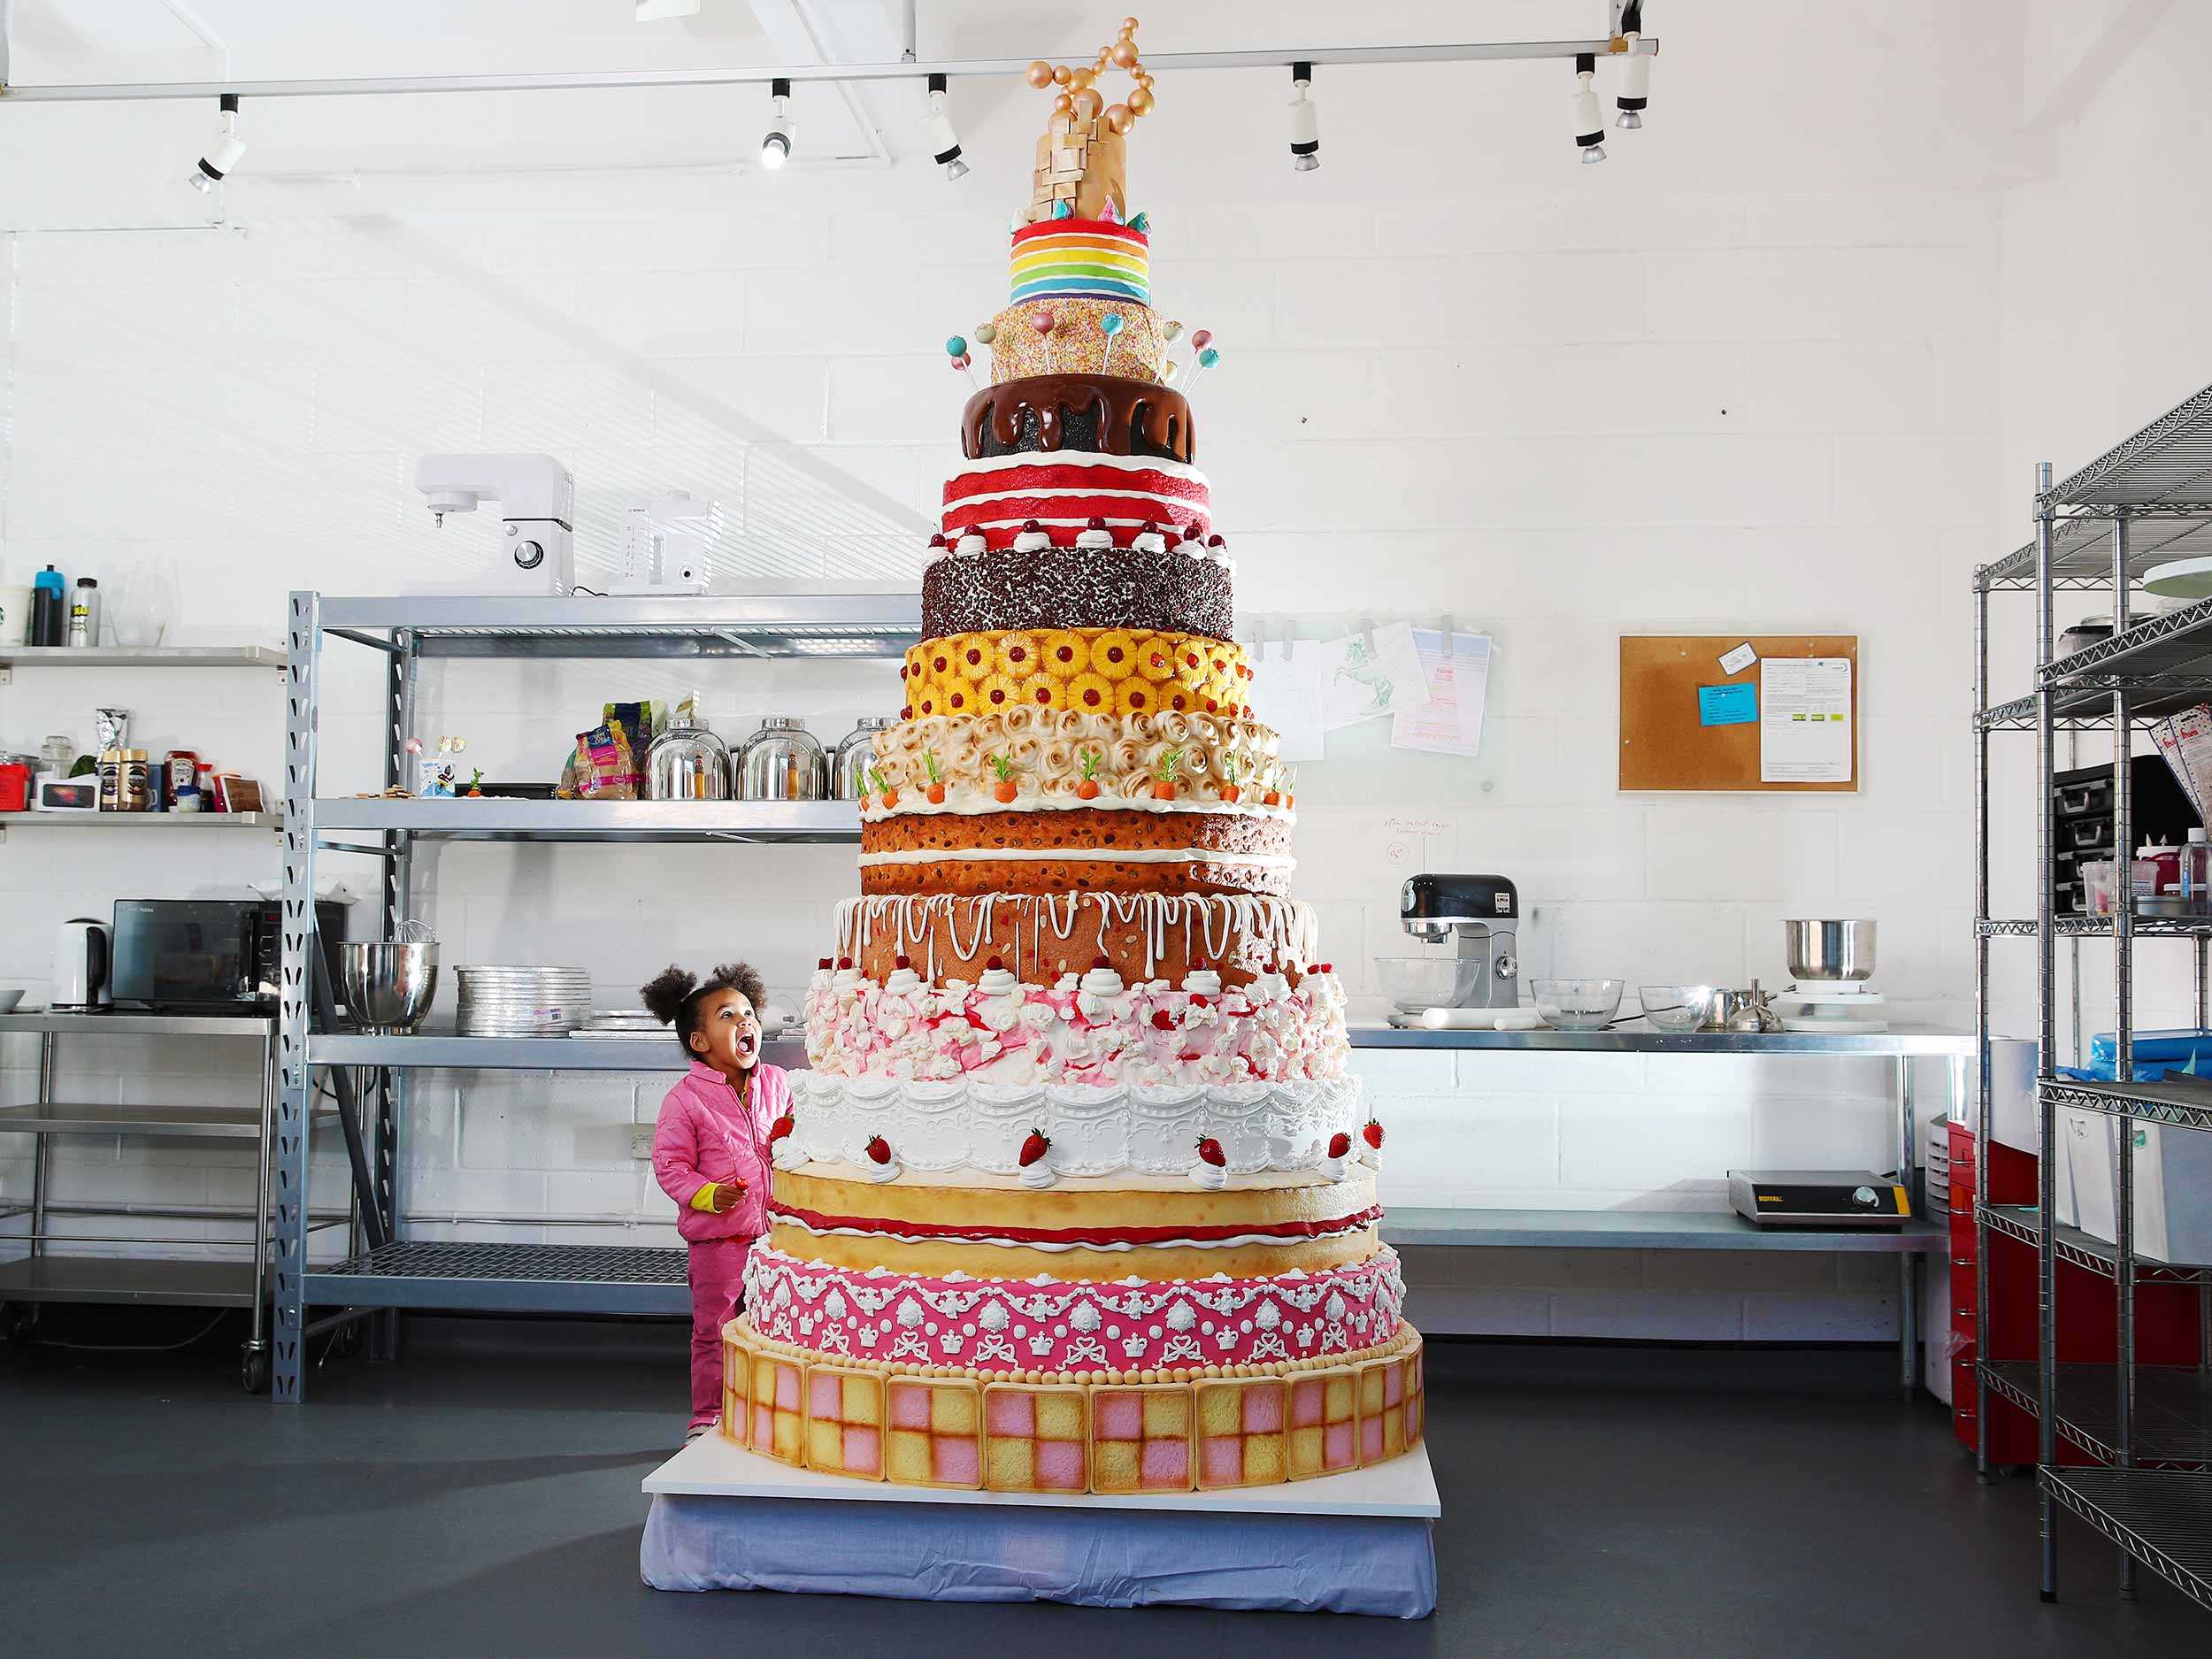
(2173, 1185)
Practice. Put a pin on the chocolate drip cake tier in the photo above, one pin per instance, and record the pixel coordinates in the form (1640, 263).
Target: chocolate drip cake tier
(1100, 413)
(1077, 588)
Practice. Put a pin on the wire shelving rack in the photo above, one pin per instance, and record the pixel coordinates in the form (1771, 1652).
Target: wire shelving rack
(2147, 1430)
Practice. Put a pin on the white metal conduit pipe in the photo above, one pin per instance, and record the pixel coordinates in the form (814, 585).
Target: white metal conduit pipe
(953, 69)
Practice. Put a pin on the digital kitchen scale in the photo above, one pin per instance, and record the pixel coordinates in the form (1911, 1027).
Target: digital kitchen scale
(1818, 1198)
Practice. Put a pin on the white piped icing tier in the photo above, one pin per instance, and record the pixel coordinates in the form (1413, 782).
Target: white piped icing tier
(1095, 1130)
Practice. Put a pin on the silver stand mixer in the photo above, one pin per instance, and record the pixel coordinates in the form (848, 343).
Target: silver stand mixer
(1479, 916)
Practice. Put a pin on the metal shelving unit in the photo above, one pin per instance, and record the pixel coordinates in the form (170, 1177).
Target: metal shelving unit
(185, 1281)
(141, 657)
(176, 823)
(565, 1279)
(2147, 501)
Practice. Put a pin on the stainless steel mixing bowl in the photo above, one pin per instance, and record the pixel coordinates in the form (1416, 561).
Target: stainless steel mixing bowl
(388, 987)
(1828, 952)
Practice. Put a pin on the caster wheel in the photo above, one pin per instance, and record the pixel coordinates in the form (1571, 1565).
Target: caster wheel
(253, 1372)
(347, 1340)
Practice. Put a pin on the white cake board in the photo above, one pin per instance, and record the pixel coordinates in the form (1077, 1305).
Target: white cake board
(711, 1467)
(726, 1518)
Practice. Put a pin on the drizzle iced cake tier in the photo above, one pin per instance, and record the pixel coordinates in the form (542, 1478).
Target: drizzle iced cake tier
(1141, 936)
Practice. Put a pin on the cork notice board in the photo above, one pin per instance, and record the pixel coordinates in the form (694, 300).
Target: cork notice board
(1663, 744)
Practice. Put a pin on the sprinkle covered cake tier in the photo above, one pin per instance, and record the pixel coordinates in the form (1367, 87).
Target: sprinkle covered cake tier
(1165, 592)
(1077, 1193)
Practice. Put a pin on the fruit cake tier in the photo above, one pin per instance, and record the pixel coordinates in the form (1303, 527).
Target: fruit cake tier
(1000, 1029)
(1041, 937)
(1156, 1429)
(1031, 759)
(1093, 671)
(974, 591)
(1005, 1326)
(1105, 851)
(1029, 502)
(990, 1227)
(1099, 414)
(886, 1128)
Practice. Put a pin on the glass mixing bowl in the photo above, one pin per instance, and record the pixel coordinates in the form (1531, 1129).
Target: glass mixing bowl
(1675, 1007)
(1415, 983)
(1578, 1004)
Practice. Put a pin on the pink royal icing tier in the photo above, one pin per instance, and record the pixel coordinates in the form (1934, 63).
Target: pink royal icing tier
(1017, 1033)
(995, 1325)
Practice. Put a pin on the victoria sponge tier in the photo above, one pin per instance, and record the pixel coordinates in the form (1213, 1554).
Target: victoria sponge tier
(1077, 1193)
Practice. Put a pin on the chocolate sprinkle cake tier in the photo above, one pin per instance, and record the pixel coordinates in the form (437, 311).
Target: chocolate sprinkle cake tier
(1074, 587)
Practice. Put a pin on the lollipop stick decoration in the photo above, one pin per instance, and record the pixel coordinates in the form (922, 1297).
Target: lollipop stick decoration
(1043, 321)
(957, 350)
(1111, 326)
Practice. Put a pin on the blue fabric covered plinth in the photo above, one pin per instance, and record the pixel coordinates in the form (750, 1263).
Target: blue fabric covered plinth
(951, 1552)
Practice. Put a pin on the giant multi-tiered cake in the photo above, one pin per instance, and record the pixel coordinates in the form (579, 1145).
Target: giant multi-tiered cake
(1077, 1195)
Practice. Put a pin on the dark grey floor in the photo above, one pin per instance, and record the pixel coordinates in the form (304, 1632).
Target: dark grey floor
(481, 1498)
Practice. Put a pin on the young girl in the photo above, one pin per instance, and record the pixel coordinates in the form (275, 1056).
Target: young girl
(710, 1151)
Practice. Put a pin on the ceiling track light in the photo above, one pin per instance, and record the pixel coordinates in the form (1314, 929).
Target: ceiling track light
(1589, 123)
(775, 144)
(1635, 93)
(1305, 120)
(944, 144)
(220, 157)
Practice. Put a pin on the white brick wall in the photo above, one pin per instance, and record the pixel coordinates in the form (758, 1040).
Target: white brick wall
(1757, 373)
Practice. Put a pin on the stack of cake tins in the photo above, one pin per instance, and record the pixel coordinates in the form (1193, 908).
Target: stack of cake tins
(515, 1001)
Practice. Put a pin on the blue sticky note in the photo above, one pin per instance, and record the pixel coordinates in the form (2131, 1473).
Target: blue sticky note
(1728, 705)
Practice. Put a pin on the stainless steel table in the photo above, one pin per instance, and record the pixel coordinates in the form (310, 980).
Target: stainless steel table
(1674, 1230)
(182, 1281)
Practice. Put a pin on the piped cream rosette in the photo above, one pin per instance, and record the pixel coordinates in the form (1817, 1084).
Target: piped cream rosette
(1048, 756)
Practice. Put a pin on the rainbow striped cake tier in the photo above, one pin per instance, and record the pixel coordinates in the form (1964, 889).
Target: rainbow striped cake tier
(1081, 258)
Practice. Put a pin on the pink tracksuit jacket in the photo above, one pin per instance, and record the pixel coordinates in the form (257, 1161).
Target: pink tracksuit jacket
(704, 1134)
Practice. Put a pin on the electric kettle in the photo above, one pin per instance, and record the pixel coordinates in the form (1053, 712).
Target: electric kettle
(81, 963)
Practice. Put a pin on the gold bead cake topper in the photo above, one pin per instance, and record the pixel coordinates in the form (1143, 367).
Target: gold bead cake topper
(1081, 168)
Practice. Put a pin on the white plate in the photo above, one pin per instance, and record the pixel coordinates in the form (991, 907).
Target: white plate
(2180, 579)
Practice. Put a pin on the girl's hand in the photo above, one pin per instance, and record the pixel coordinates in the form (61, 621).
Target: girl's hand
(725, 1196)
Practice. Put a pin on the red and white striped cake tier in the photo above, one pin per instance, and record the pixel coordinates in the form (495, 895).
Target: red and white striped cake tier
(996, 497)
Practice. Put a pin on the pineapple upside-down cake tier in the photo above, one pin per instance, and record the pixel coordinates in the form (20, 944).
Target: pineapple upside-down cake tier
(1040, 937)
(1105, 851)
(1093, 671)
(994, 1226)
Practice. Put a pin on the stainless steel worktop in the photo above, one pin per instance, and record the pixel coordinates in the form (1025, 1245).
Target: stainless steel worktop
(1635, 1037)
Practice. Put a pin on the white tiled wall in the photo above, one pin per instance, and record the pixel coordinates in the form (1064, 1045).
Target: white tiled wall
(1751, 376)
